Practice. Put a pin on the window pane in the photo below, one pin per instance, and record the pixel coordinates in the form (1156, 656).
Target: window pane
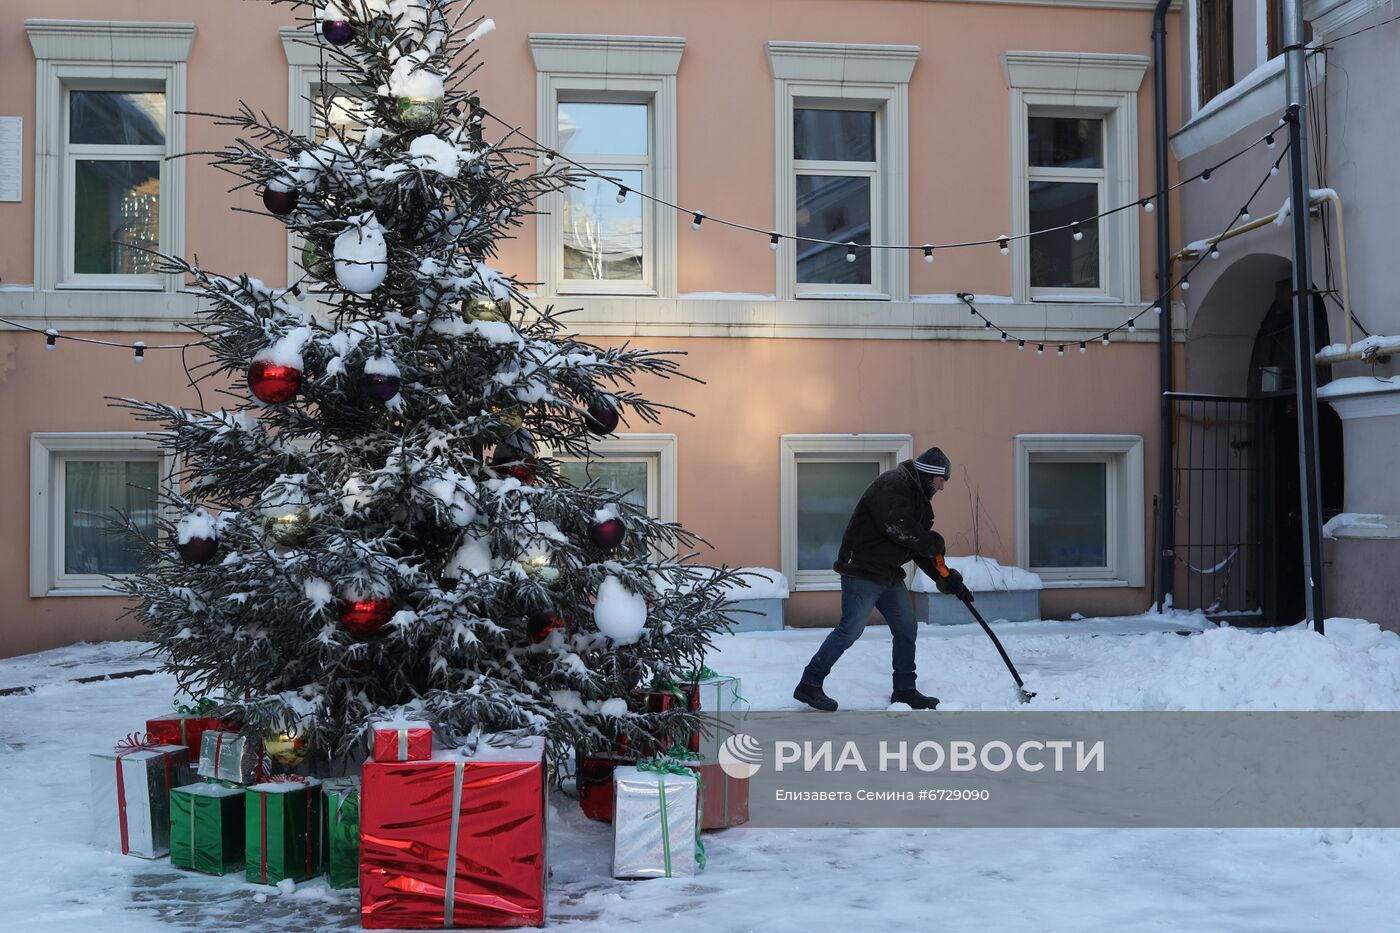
(1058, 260)
(1069, 514)
(117, 118)
(834, 135)
(348, 113)
(1065, 142)
(833, 207)
(628, 477)
(603, 129)
(826, 494)
(602, 238)
(116, 217)
(92, 490)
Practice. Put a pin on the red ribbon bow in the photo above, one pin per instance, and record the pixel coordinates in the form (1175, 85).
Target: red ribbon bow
(136, 742)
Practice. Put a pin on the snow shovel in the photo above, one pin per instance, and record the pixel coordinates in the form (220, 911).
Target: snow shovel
(966, 596)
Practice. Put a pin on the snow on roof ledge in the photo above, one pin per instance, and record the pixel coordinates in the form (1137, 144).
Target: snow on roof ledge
(1358, 385)
(1362, 525)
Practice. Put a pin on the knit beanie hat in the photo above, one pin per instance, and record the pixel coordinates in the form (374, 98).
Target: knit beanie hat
(933, 462)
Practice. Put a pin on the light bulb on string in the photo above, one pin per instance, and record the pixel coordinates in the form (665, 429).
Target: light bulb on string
(1003, 336)
(621, 193)
(928, 254)
(548, 159)
(773, 242)
(1132, 326)
(697, 220)
(987, 324)
(1269, 141)
(1040, 349)
(1157, 307)
(1185, 284)
(850, 252)
(50, 340)
(1214, 251)
(1082, 347)
(1205, 176)
(1147, 205)
(1077, 233)
(1004, 245)
(1105, 339)
(1020, 345)
(140, 349)
(1061, 352)
(1244, 214)
(1274, 170)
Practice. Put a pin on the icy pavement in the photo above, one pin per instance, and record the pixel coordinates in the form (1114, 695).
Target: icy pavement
(767, 879)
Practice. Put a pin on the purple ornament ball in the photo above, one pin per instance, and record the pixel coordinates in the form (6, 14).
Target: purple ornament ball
(337, 31)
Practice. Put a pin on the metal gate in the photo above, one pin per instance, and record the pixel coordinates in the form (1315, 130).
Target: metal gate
(1223, 510)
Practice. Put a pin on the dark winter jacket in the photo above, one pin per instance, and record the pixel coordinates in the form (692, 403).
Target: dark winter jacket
(891, 525)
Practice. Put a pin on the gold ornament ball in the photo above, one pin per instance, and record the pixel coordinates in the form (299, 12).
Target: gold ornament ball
(315, 263)
(539, 567)
(488, 309)
(290, 528)
(418, 112)
(286, 748)
(511, 417)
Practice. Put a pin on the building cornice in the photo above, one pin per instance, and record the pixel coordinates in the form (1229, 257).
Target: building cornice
(609, 55)
(857, 63)
(1075, 71)
(109, 40)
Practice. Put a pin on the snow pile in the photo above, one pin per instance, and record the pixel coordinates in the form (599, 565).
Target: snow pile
(1358, 385)
(619, 613)
(286, 350)
(1372, 346)
(196, 524)
(435, 154)
(982, 575)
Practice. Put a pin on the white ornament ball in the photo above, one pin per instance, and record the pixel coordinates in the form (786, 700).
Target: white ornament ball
(361, 256)
(619, 613)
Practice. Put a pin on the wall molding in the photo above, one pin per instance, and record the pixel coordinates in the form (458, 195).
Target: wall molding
(606, 55)
(1093, 72)
(844, 62)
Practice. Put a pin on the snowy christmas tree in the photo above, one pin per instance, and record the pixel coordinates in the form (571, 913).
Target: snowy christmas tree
(381, 526)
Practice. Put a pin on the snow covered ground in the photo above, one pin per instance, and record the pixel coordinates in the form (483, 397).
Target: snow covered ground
(818, 880)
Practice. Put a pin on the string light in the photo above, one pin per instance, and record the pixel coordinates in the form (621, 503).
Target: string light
(1244, 214)
(548, 158)
(1082, 347)
(1157, 307)
(1132, 326)
(1004, 245)
(51, 340)
(1269, 140)
(1214, 251)
(1061, 352)
(1205, 176)
(1105, 339)
(851, 252)
(621, 193)
(773, 241)
(1020, 345)
(1147, 205)
(1077, 234)
(928, 254)
(1185, 284)
(1003, 336)
(987, 324)
(698, 219)
(1273, 171)
(1040, 349)
(140, 348)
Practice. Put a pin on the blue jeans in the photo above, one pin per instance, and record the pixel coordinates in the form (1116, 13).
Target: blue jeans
(858, 597)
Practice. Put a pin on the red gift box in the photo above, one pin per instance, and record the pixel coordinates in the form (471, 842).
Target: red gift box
(725, 799)
(184, 728)
(403, 741)
(595, 784)
(456, 841)
(680, 696)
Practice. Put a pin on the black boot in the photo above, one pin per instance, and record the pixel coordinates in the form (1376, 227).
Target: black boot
(914, 699)
(814, 697)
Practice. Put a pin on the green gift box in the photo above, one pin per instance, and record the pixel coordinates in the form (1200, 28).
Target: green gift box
(283, 820)
(206, 828)
(340, 831)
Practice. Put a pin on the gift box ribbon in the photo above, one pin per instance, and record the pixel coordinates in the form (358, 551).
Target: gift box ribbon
(669, 764)
(403, 744)
(136, 742)
(262, 799)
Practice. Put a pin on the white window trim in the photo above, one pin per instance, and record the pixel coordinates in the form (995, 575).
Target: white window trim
(96, 54)
(1097, 177)
(1124, 456)
(876, 76)
(889, 449)
(304, 78)
(623, 68)
(1092, 84)
(661, 447)
(48, 451)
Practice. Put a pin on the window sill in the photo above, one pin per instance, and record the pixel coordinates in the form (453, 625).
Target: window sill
(108, 285)
(1106, 583)
(841, 296)
(80, 591)
(98, 309)
(1064, 299)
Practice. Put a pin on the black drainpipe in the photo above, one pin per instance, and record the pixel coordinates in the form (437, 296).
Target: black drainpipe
(1166, 527)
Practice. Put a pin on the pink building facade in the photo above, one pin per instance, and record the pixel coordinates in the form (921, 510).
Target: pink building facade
(878, 121)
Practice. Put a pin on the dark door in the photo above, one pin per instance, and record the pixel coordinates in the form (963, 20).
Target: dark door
(1273, 376)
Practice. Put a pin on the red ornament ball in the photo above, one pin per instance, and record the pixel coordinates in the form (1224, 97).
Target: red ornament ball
(337, 31)
(198, 550)
(280, 202)
(271, 383)
(510, 460)
(602, 418)
(364, 617)
(544, 622)
(608, 534)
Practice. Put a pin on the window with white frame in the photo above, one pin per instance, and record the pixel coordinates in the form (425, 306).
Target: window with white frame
(1079, 509)
(822, 476)
(1074, 155)
(107, 193)
(641, 467)
(79, 484)
(842, 115)
(608, 103)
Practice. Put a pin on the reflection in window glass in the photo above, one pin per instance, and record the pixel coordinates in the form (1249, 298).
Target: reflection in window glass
(602, 238)
(349, 114)
(116, 216)
(116, 118)
(1065, 142)
(628, 477)
(1057, 259)
(1068, 514)
(92, 491)
(833, 207)
(603, 129)
(826, 495)
(833, 135)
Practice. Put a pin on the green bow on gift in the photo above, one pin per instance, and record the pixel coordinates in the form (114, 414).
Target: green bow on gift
(199, 707)
(663, 684)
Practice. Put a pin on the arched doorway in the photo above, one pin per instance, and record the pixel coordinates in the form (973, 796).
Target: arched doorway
(1276, 512)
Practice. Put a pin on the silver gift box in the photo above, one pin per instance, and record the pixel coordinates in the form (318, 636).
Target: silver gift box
(230, 756)
(724, 705)
(145, 794)
(641, 847)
